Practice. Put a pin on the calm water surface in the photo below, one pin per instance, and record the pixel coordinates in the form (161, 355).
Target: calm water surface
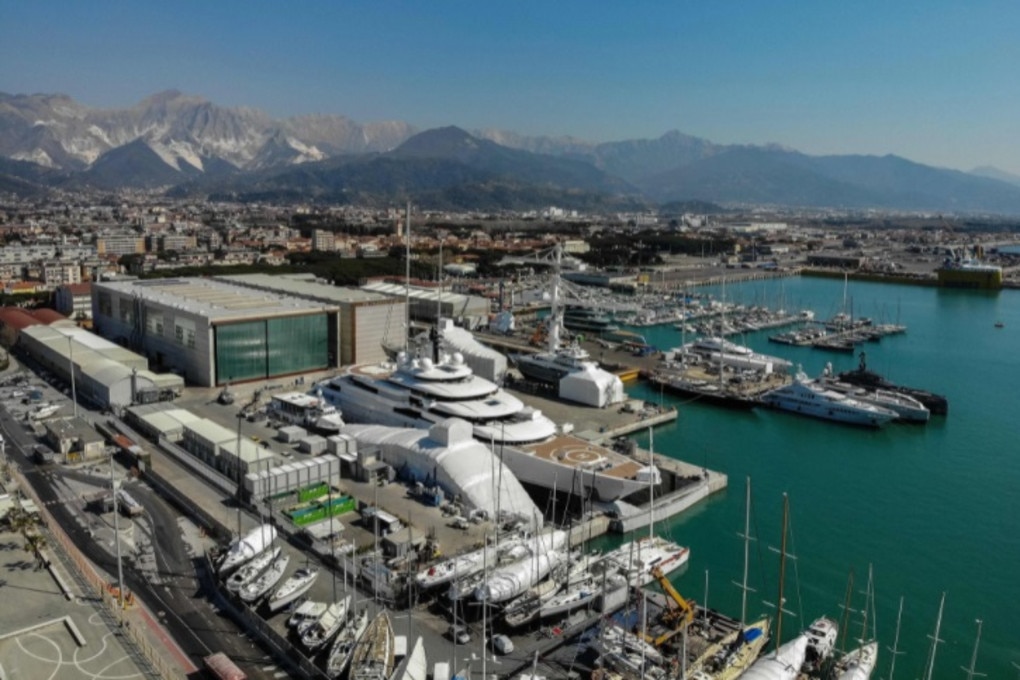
(933, 508)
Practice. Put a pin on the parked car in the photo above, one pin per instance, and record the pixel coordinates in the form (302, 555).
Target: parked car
(459, 634)
(501, 644)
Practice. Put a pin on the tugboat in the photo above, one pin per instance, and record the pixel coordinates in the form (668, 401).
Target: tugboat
(862, 377)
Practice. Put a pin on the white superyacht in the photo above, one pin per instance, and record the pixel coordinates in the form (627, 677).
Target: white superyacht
(419, 392)
(810, 398)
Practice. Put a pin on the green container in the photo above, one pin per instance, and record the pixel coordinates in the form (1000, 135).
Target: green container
(310, 493)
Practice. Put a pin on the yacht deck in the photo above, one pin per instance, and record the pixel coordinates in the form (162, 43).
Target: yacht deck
(584, 455)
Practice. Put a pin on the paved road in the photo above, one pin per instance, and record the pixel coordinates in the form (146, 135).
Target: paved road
(172, 590)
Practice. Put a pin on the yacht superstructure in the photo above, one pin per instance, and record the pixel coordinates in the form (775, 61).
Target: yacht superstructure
(306, 410)
(809, 398)
(419, 392)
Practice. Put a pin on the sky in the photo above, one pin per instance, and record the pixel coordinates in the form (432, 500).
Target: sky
(933, 81)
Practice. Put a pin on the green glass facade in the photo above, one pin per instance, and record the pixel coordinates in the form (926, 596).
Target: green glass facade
(269, 347)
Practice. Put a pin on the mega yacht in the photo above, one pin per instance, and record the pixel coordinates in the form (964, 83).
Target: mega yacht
(553, 365)
(586, 320)
(419, 392)
(306, 410)
(908, 409)
(809, 398)
(863, 377)
(718, 350)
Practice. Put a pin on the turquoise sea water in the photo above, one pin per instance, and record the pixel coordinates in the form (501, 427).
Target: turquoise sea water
(933, 508)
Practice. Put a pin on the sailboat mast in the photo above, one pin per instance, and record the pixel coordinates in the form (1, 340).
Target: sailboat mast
(747, 550)
(782, 573)
(407, 278)
(651, 483)
(846, 611)
(896, 641)
(935, 640)
(971, 673)
(554, 315)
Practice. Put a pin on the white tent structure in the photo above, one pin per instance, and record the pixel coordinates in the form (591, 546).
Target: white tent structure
(461, 465)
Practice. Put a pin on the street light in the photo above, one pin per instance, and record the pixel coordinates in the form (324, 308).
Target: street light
(70, 361)
(116, 531)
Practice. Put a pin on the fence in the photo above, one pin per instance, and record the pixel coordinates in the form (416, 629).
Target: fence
(131, 622)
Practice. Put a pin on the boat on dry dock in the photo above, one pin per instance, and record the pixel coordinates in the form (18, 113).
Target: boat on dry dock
(294, 587)
(252, 570)
(255, 589)
(248, 546)
(526, 608)
(343, 646)
(327, 625)
(539, 557)
(372, 658)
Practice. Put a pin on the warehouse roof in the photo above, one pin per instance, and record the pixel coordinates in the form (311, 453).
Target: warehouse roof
(306, 286)
(214, 299)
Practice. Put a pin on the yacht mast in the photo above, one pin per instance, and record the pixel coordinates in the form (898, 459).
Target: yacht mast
(651, 483)
(747, 551)
(553, 335)
(971, 673)
(935, 640)
(894, 650)
(407, 278)
(782, 573)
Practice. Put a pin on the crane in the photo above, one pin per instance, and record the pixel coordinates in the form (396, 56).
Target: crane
(678, 615)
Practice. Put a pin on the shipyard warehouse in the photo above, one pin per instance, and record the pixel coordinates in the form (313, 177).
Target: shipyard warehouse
(215, 332)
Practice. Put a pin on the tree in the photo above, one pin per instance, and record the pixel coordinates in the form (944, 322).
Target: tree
(27, 524)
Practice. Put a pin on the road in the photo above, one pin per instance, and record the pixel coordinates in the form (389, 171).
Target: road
(168, 576)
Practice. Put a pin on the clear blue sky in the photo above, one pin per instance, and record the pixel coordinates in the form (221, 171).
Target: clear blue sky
(934, 81)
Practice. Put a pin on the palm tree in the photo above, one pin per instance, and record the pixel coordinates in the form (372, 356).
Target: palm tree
(27, 524)
(34, 543)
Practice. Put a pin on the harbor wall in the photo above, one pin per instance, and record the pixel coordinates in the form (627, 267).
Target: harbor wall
(665, 508)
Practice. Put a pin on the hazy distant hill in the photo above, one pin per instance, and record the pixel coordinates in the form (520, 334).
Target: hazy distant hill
(442, 168)
(173, 139)
(992, 172)
(755, 175)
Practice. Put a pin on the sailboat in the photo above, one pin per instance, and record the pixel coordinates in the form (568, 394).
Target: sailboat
(637, 559)
(252, 570)
(323, 630)
(733, 654)
(340, 652)
(859, 663)
(258, 587)
(372, 658)
(786, 661)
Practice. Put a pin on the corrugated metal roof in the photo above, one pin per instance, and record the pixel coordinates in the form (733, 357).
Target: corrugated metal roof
(307, 286)
(213, 299)
(210, 431)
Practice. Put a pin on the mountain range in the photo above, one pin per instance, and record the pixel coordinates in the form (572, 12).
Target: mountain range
(193, 147)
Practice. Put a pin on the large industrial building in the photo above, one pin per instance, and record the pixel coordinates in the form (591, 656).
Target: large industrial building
(104, 374)
(469, 311)
(214, 332)
(368, 320)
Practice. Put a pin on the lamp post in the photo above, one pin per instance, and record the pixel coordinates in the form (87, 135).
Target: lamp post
(70, 361)
(116, 531)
